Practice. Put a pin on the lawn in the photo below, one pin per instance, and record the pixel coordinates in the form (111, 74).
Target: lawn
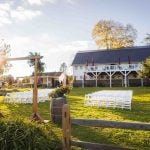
(125, 138)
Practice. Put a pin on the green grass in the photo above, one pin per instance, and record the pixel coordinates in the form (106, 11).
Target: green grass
(140, 106)
(17, 131)
(140, 112)
(125, 138)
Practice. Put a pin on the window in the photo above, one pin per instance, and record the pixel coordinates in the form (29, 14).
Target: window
(76, 67)
(81, 77)
(81, 67)
(111, 67)
(92, 68)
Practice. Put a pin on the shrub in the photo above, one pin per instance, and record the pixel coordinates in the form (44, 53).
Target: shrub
(24, 134)
(3, 92)
(60, 91)
(1, 115)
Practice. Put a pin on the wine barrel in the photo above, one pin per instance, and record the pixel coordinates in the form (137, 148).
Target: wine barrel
(56, 109)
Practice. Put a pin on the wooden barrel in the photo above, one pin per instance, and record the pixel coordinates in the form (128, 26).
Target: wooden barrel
(56, 109)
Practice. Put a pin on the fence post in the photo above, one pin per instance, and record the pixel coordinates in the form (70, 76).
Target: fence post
(66, 127)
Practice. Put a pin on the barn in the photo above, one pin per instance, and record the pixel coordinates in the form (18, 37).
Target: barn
(114, 67)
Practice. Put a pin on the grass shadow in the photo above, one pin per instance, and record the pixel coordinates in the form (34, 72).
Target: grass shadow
(118, 137)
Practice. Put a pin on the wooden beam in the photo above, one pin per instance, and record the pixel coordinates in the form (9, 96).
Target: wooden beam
(95, 146)
(112, 124)
(24, 58)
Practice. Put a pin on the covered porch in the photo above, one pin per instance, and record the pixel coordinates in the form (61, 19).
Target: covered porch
(111, 74)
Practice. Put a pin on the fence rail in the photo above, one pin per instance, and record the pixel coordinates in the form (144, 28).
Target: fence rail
(66, 128)
(95, 146)
(111, 124)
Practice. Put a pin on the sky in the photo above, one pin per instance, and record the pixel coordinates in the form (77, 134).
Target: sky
(59, 28)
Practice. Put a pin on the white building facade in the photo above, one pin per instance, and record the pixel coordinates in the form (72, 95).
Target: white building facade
(118, 67)
(50, 79)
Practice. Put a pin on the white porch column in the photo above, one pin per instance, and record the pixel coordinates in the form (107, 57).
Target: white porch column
(96, 79)
(47, 81)
(96, 75)
(83, 81)
(110, 80)
(125, 79)
(142, 82)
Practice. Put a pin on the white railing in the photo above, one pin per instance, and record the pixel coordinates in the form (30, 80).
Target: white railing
(122, 67)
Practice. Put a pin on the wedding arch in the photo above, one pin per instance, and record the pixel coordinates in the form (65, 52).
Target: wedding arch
(35, 115)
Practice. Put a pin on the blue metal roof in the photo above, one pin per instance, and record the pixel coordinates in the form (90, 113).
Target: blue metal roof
(123, 55)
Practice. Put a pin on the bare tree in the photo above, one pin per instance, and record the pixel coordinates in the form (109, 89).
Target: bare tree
(63, 67)
(4, 53)
(147, 39)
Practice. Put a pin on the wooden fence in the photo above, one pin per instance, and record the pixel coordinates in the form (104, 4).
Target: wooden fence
(66, 128)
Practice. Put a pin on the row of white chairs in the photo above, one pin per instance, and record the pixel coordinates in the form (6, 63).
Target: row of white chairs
(26, 97)
(110, 98)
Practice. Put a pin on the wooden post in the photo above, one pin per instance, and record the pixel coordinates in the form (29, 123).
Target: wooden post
(35, 92)
(35, 116)
(66, 127)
